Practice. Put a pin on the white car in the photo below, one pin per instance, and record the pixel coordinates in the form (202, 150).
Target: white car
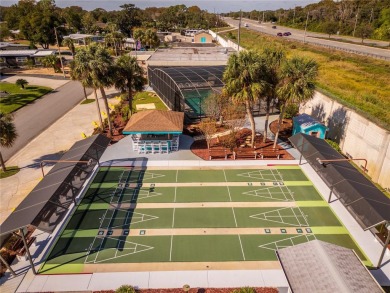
(246, 25)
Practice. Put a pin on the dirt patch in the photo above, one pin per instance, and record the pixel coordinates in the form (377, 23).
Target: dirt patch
(285, 129)
(199, 147)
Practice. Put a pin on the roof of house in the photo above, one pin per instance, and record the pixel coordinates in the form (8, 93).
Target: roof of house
(155, 121)
(318, 266)
(17, 53)
(26, 53)
(78, 36)
(305, 121)
(201, 32)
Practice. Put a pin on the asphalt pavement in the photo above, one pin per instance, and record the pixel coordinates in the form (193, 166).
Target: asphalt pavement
(32, 119)
(316, 38)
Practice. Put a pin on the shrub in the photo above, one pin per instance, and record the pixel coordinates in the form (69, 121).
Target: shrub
(125, 289)
(125, 112)
(291, 111)
(21, 82)
(334, 145)
(244, 290)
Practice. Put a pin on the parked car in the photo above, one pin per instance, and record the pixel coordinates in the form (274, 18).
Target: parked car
(246, 25)
(279, 34)
(287, 34)
(274, 26)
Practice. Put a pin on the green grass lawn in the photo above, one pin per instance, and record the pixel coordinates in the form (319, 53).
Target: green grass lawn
(147, 98)
(10, 171)
(361, 83)
(18, 97)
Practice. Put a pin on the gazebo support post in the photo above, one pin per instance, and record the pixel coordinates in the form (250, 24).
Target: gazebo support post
(8, 266)
(387, 242)
(27, 251)
(330, 194)
(300, 159)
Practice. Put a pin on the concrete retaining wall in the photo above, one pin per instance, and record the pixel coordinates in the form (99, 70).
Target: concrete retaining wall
(357, 136)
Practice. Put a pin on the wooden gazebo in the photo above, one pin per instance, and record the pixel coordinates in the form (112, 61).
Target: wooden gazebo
(155, 131)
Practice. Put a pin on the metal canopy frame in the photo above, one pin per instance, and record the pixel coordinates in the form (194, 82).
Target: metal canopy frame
(57, 190)
(367, 204)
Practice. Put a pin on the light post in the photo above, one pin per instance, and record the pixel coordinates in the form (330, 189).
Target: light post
(59, 52)
(304, 36)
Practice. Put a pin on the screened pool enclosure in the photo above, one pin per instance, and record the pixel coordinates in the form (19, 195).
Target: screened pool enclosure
(184, 89)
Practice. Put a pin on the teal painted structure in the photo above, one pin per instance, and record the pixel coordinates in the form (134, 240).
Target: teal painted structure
(304, 123)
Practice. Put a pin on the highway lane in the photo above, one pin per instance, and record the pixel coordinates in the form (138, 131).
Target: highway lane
(299, 35)
(32, 119)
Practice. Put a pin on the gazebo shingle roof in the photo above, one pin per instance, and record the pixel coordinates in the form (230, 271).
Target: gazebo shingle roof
(318, 266)
(155, 121)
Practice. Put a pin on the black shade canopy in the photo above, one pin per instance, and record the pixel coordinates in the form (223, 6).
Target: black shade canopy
(44, 206)
(367, 204)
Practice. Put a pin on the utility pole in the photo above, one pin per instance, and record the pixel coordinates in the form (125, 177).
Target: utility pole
(239, 30)
(294, 15)
(354, 29)
(307, 19)
(372, 14)
(263, 16)
(59, 52)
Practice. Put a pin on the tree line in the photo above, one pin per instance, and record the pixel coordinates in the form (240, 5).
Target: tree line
(36, 20)
(360, 18)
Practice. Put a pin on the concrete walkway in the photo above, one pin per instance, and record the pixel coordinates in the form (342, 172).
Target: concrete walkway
(49, 145)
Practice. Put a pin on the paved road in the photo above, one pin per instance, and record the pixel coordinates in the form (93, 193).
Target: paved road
(36, 117)
(310, 38)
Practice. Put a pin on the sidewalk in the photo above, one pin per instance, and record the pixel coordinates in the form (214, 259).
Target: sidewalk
(49, 145)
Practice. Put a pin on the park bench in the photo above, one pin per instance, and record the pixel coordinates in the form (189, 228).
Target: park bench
(269, 153)
(247, 153)
(218, 153)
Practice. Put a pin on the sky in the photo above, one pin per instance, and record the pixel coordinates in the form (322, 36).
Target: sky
(217, 6)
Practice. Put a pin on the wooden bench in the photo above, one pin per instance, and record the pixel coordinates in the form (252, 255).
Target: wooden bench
(269, 153)
(248, 153)
(218, 153)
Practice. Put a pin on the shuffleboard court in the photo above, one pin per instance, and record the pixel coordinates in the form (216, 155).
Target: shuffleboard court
(155, 216)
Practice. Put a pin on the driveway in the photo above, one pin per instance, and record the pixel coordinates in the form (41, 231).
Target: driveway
(32, 119)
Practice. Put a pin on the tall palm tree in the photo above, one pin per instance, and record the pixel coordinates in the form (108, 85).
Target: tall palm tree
(8, 134)
(80, 70)
(102, 74)
(273, 56)
(242, 82)
(297, 84)
(129, 77)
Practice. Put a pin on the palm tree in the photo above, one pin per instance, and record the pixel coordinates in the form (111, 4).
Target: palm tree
(8, 134)
(69, 43)
(297, 84)
(80, 70)
(273, 57)
(102, 74)
(21, 83)
(243, 83)
(129, 77)
(151, 38)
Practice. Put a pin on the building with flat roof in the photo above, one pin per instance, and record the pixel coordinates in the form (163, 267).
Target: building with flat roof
(190, 56)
